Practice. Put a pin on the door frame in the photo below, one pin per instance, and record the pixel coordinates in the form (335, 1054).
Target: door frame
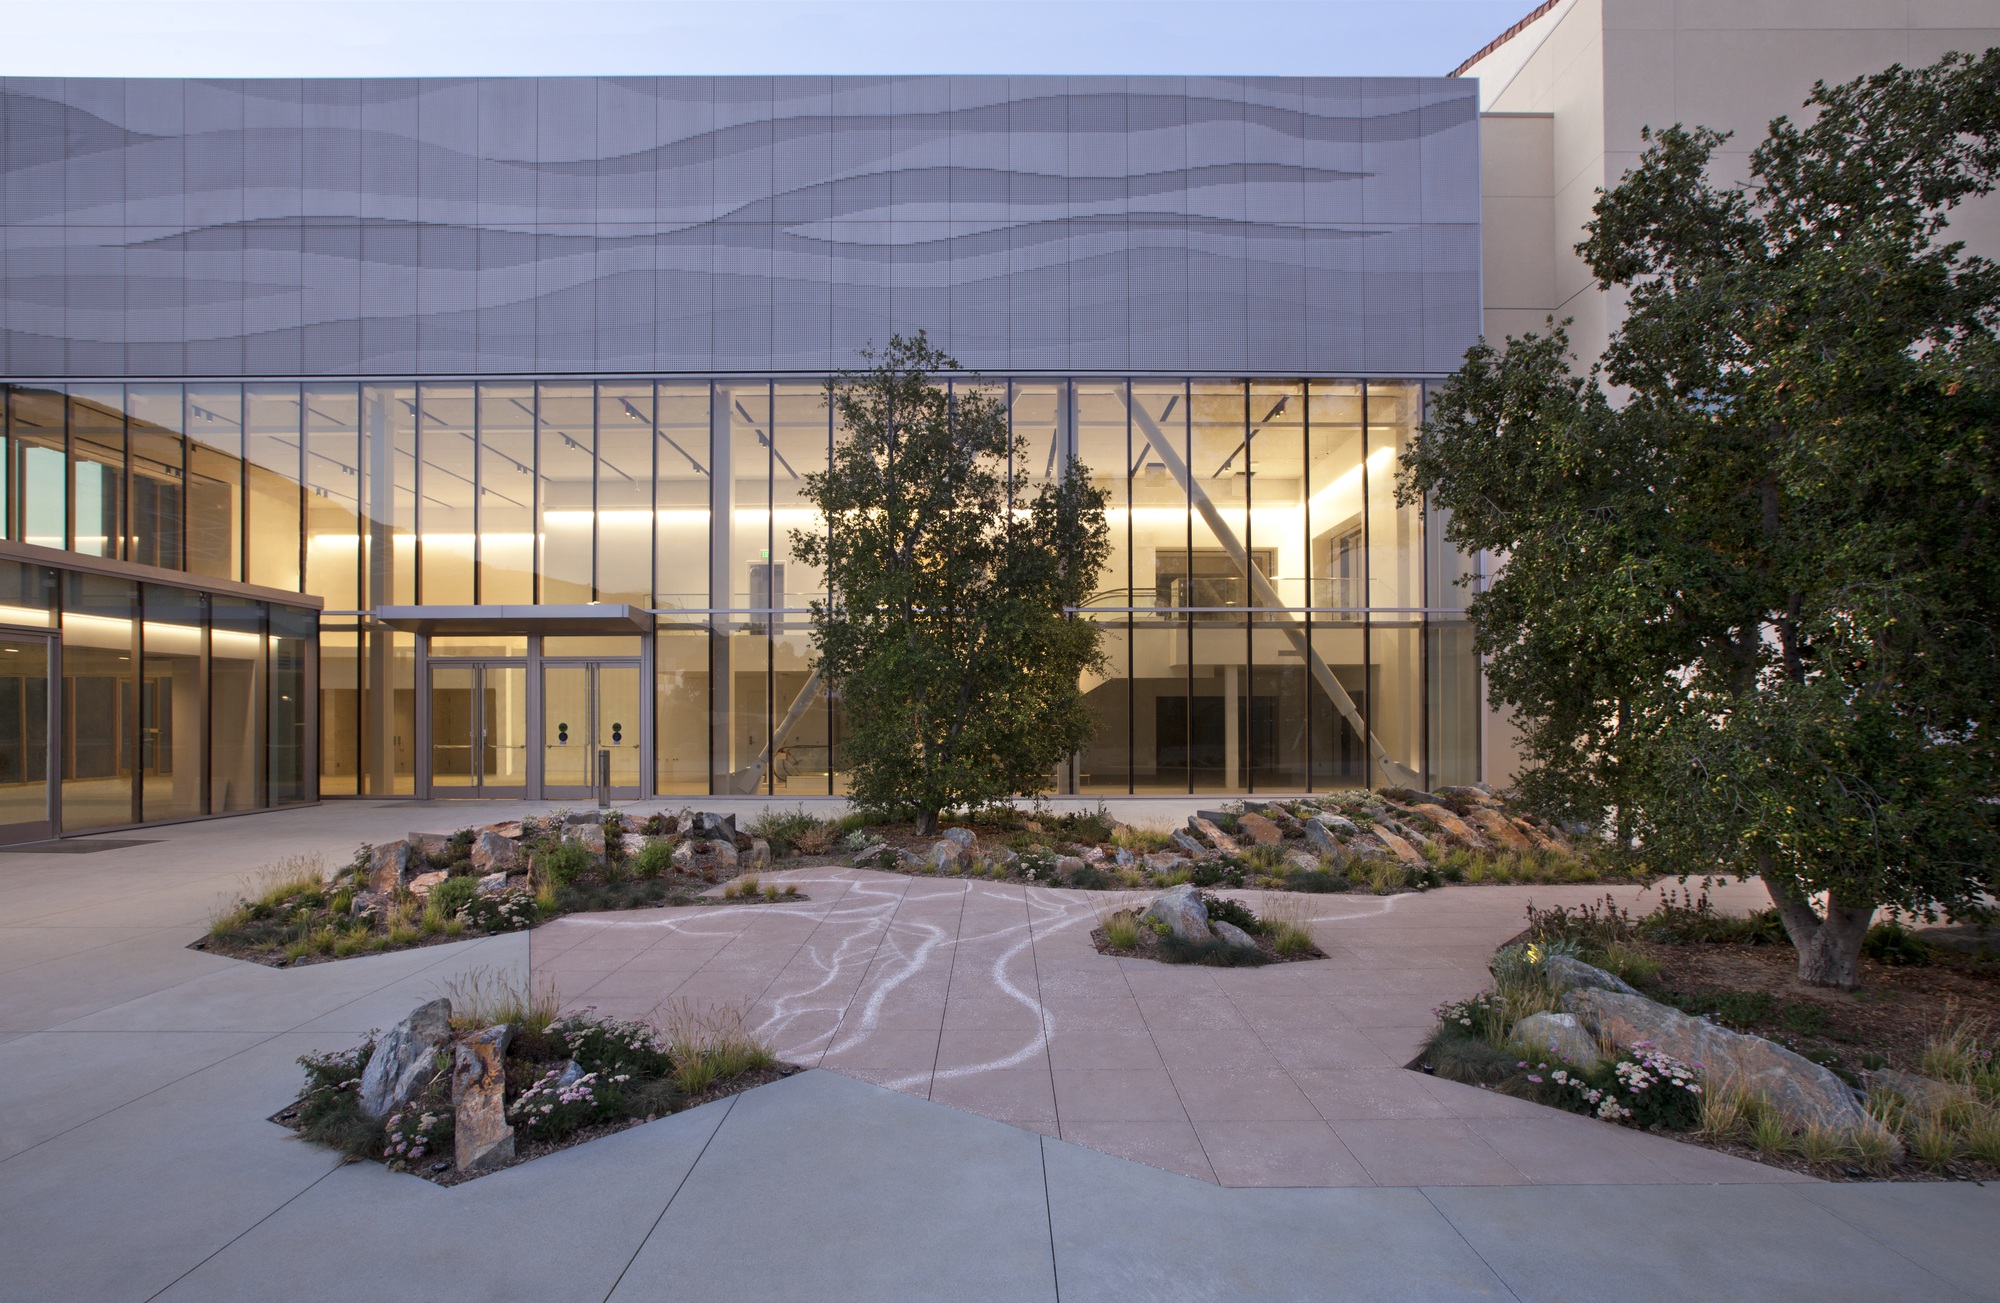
(595, 665)
(477, 789)
(536, 789)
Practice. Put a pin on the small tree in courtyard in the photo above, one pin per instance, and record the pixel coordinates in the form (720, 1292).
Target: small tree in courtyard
(944, 630)
(1751, 606)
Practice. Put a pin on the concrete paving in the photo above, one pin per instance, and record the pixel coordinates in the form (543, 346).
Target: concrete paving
(135, 1161)
(989, 997)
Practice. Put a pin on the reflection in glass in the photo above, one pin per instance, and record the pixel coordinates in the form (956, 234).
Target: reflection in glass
(99, 705)
(1105, 763)
(292, 631)
(339, 712)
(1335, 523)
(24, 732)
(1339, 758)
(1395, 680)
(97, 467)
(236, 713)
(40, 471)
(388, 714)
(159, 474)
(389, 494)
(566, 720)
(215, 480)
(171, 705)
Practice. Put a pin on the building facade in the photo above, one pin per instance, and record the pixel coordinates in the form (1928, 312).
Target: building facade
(517, 381)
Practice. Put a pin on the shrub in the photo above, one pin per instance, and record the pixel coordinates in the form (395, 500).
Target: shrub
(329, 1110)
(447, 898)
(503, 911)
(1889, 942)
(549, 1110)
(1213, 954)
(1142, 841)
(612, 1046)
(1630, 963)
(1235, 912)
(655, 859)
(783, 829)
(564, 863)
(1121, 930)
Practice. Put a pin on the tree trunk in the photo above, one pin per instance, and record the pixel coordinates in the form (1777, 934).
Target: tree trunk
(1829, 948)
(927, 823)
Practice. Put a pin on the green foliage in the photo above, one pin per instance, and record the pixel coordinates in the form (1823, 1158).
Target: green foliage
(1751, 608)
(565, 862)
(944, 630)
(655, 859)
(447, 898)
(1213, 954)
(783, 829)
(1225, 910)
(329, 1109)
(1889, 942)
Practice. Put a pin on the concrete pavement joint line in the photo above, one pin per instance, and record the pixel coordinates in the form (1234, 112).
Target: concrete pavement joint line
(1048, 1206)
(293, 1030)
(1793, 1192)
(678, 1187)
(224, 1246)
(1470, 1246)
(1125, 975)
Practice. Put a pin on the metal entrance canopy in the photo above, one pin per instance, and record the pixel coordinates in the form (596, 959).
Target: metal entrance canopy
(585, 619)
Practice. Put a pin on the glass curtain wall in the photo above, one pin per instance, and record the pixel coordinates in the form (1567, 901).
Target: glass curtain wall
(1273, 620)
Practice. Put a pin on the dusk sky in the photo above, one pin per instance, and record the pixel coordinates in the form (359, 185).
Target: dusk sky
(390, 38)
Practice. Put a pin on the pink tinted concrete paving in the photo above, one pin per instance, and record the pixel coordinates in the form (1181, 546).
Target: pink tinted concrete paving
(989, 997)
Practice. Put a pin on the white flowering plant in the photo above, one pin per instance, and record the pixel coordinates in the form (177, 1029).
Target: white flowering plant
(1479, 1015)
(1643, 1087)
(612, 1046)
(503, 911)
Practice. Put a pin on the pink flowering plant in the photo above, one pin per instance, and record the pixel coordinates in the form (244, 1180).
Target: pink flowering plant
(562, 1101)
(611, 1046)
(418, 1131)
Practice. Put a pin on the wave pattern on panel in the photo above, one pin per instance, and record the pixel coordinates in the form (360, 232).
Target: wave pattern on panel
(494, 226)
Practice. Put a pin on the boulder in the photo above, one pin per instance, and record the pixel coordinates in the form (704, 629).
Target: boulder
(478, 1104)
(401, 1065)
(389, 867)
(1452, 824)
(1259, 829)
(963, 838)
(425, 844)
(1166, 861)
(493, 884)
(590, 836)
(571, 1073)
(1214, 836)
(726, 854)
(1235, 936)
(1541, 840)
(492, 853)
(632, 843)
(757, 857)
(1069, 865)
(1320, 836)
(1123, 858)
(1184, 841)
(1559, 1035)
(366, 903)
(947, 857)
(1402, 850)
(1799, 1090)
(420, 886)
(1180, 908)
(508, 828)
(1496, 826)
(1302, 862)
(578, 818)
(719, 827)
(683, 854)
(1564, 973)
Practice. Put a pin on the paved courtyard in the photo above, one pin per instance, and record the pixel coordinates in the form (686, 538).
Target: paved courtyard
(989, 997)
(136, 1164)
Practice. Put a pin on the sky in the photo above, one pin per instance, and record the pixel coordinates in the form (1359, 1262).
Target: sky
(412, 38)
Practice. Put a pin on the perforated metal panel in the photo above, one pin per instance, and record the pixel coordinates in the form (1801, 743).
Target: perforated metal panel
(1218, 226)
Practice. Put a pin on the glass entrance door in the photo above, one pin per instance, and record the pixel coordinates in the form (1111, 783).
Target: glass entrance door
(588, 708)
(24, 740)
(479, 729)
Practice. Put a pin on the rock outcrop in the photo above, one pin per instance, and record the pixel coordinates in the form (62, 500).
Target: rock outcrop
(1180, 908)
(402, 1064)
(480, 1132)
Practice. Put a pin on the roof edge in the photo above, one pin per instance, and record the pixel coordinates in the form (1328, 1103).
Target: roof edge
(1504, 37)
